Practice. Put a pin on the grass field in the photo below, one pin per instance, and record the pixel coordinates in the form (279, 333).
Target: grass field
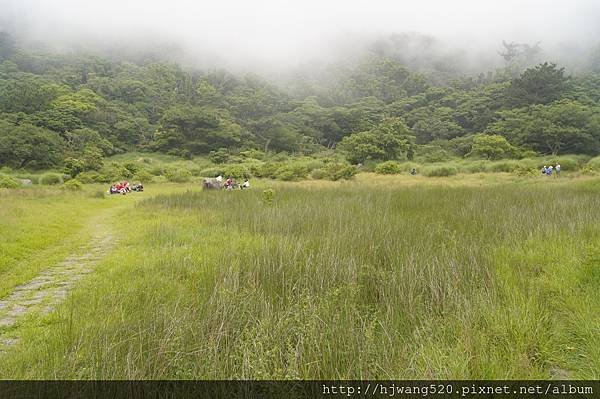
(478, 276)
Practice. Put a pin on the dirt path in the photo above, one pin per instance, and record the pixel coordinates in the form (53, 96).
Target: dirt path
(40, 296)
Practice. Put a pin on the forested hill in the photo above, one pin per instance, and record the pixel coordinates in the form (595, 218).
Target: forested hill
(54, 107)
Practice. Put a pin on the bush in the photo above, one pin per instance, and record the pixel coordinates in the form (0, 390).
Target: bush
(388, 168)
(318, 174)
(291, 172)
(253, 154)
(143, 176)
(268, 196)
(92, 177)
(51, 179)
(73, 185)
(211, 172)
(503, 166)
(337, 171)
(593, 164)
(115, 172)
(440, 170)
(219, 156)
(178, 175)
(237, 171)
(8, 182)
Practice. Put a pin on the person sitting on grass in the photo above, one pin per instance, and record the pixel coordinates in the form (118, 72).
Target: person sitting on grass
(549, 170)
(544, 170)
(229, 183)
(246, 184)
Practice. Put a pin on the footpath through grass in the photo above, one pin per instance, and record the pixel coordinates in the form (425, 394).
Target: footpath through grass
(349, 280)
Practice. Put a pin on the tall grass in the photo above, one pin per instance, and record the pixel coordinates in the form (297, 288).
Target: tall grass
(340, 281)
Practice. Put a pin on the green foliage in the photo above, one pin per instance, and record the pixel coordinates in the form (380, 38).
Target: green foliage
(431, 153)
(388, 141)
(178, 175)
(74, 166)
(96, 177)
(51, 179)
(268, 196)
(212, 172)
(593, 164)
(339, 171)
(440, 170)
(318, 174)
(541, 84)
(291, 171)
(8, 182)
(562, 127)
(28, 146)
(236, 171)
(143, 176)
(388, 168)
(219, 156)
(491, 147)
(73, 185)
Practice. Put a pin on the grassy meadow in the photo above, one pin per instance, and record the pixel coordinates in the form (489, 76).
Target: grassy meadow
(470, 276)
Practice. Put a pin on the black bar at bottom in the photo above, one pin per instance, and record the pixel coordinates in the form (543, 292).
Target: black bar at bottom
(297, 389)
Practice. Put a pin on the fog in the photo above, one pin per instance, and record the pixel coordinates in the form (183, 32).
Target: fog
(284, 33)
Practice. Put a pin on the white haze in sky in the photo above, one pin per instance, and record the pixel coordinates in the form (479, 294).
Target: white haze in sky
(289, 32)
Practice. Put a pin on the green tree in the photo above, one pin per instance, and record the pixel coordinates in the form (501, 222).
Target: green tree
(29, 146)
(196, 129)
(539, 85)
(388, 141)
(491, 147)
(562, 127)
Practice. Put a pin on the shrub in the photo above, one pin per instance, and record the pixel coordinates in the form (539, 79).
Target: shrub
(388, 168)
(440, 170)
(238, 171)
(268, 169)
(73, 185)
(337, 171)
(503, 166)
(51, 179)
(473, 166)
(318, 174)
(132, 168)
(8, 182)
(211, 172)
(593, 164)
(92, 177)
(588, 170)
(157, 170)
(268, 196)
(116, 171)
(179, 175)
(143, 176)
(291, 172)
(253, 154)
(219, 156)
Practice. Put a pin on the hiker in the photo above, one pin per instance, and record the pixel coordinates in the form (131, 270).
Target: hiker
(246, 184)
(549, 170)
(413, 172)
(557, 169)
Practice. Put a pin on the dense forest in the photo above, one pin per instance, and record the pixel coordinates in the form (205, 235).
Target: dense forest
(75, 108)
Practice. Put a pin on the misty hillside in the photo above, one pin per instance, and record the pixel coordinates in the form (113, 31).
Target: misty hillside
(60, 105)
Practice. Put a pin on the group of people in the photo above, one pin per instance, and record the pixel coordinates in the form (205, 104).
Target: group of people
(551, 170)
(124, 188)
(231, 184)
